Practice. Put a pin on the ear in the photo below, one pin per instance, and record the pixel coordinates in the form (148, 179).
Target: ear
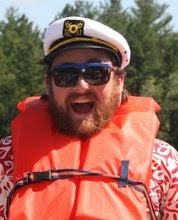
(47, 83)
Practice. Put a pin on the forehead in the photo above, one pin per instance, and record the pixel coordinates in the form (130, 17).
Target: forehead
(81, 56)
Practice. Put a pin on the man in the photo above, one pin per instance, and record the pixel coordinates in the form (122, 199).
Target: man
(85, 150)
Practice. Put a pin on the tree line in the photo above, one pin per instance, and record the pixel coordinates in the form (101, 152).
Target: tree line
(153, 70)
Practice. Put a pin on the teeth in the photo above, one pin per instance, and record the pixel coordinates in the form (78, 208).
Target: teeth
(82, 100)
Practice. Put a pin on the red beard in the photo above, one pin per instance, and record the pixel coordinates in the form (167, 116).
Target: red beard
(64, 122)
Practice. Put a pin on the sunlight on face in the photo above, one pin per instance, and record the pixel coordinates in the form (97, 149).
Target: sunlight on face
(82, 110)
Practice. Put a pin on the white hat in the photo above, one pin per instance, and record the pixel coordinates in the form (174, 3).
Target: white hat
(78, 32)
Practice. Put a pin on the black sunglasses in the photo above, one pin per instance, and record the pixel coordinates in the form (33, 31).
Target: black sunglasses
(95, 74)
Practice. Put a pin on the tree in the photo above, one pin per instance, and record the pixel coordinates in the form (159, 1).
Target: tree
(80, 8)
(153, 66)
(20, 75)
(147, 25)
(113, 15)
(170, 89)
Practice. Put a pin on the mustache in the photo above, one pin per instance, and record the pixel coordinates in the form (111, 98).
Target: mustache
(87, 94)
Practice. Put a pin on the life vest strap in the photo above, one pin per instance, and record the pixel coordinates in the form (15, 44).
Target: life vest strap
(143, 189)
(51, 175)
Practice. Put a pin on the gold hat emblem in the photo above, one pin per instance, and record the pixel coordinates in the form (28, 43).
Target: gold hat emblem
(73, 28)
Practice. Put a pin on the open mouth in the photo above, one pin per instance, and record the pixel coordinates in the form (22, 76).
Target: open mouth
(82, 107)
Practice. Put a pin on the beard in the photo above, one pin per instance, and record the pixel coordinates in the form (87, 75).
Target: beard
(83, 128)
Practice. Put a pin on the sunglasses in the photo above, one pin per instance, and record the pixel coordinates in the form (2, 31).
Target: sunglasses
(94, 74)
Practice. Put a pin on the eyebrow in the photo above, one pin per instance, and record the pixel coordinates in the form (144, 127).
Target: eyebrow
(67, 63)
(93, 60)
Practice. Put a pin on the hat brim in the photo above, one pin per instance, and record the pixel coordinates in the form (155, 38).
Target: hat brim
(81, 45)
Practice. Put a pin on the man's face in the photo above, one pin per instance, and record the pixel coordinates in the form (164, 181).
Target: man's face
(83, 109)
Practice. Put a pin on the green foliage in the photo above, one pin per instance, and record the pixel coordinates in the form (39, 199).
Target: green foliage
(80, 8)
(145, 30)
(112, 14)
(154, 61)
(20, 75)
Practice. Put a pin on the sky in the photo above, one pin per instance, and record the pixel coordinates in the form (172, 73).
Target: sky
(42, 12)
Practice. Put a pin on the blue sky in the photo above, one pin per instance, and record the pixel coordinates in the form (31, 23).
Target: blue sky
(42, 12)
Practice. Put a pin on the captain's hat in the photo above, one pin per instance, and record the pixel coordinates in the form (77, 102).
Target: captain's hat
(78, 32)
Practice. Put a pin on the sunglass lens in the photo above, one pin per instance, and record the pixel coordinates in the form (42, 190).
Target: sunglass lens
(65, 78)
(97, 75)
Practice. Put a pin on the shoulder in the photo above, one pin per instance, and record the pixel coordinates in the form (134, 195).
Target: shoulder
(6, 141)
(164, 181)
(165, 156)
(6, 158)
(6, 172)
(164, 151)
(5, 149)
(164, 162)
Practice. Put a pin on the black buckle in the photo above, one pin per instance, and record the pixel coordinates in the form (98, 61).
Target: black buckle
(35, 177)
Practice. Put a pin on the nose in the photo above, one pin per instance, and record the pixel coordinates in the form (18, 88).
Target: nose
(82, 84)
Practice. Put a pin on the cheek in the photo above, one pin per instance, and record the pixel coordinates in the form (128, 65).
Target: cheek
(59, 94)
(104, 92)
(112, 87)
(119, 85)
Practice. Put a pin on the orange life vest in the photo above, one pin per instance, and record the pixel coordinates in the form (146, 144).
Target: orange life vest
(85, 174)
